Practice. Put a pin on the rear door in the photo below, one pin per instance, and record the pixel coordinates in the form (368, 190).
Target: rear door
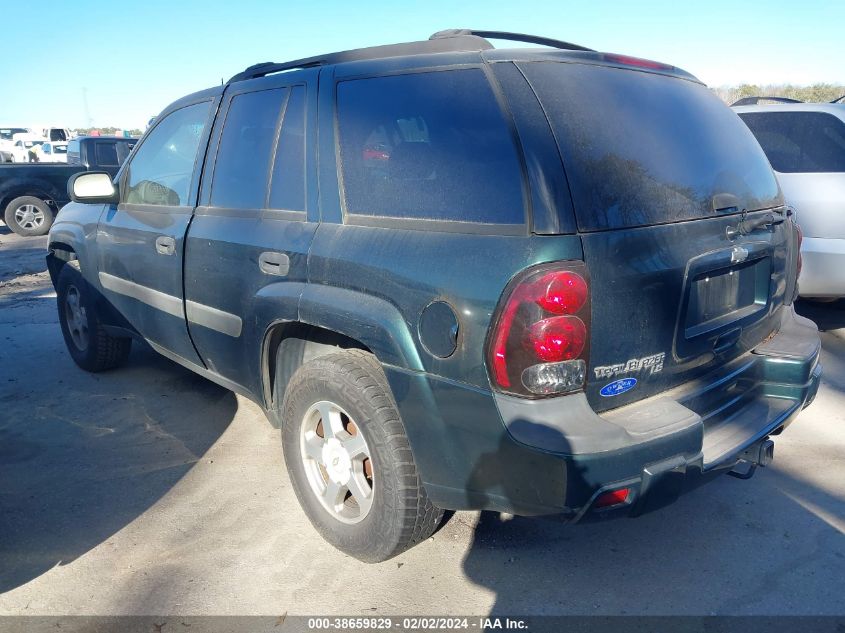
(663, 176)
(141, 240)
(248, 243)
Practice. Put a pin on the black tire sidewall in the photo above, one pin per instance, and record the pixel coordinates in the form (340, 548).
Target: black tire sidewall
(376, 537)
(68, 277)
(12, 223)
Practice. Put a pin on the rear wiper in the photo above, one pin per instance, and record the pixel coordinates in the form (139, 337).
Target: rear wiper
(746, 226)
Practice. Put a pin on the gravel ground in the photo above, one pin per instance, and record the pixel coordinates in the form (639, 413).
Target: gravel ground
(149, 490)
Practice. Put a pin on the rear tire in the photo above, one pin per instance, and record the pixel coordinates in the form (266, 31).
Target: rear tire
(90, 346)
(328, 403)
(28, 216)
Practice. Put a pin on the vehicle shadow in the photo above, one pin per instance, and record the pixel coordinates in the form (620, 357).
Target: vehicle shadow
(82, 455)
(828, 316)
(773, 545)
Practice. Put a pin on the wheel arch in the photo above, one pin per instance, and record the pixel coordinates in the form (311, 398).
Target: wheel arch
(330, 318)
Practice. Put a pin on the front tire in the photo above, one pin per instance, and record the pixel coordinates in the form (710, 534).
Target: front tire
(28, 216)
(349, 459)
(90, 346)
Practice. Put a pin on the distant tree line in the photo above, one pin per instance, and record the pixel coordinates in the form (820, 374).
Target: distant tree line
(817, 93)
(106, 131)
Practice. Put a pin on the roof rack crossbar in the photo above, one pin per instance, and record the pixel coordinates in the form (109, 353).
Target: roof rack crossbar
(462, 42)
(755, 100)
(513, 37)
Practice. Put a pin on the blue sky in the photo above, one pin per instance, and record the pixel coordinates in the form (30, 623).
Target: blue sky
(131, 58)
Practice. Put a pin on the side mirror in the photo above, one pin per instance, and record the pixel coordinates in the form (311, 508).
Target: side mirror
(93, 187)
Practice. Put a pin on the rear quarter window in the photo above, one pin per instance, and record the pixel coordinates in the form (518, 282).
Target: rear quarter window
(642, 148)
(106, 154)
(800, 142)
(428, 146)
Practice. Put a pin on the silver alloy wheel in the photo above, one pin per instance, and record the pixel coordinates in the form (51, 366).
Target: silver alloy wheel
(337, 462)
(76, 318)
(28, 216)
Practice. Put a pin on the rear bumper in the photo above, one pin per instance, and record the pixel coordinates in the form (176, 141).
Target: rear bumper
(557, 456)
(823, 269)
(661, 446)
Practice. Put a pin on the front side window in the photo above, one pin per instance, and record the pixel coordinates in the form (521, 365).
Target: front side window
(800, 142)
(161, 171)
(430, 146)
(243, 160)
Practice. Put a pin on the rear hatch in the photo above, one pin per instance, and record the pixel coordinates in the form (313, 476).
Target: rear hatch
(681, 219)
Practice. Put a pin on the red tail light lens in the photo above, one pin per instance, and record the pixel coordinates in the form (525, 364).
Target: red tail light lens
(558, 338)
(625, 60)
(538, 345)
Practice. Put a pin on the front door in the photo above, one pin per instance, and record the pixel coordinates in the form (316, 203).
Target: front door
(141, 240)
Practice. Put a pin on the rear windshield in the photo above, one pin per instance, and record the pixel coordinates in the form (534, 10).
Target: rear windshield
(641, 148)
(796, 142)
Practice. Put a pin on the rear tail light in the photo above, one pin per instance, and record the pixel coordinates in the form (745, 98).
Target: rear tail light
(540, 340)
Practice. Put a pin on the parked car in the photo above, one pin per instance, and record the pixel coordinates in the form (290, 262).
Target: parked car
(805, 143)
(7, 141)
(538, 298)
(56, 134)
(51, 152)
(31, 195)
(24, 146)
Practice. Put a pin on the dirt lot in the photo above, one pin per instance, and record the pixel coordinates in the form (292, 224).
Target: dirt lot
(149, 490)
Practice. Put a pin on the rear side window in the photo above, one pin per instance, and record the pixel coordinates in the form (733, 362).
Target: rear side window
(287, 190)
(243, 160)
(73, 152)
(106, 154)
(431, 146)
(795, 142)
(641, 148)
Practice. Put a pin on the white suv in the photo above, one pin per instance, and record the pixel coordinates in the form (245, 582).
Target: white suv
(805, 143)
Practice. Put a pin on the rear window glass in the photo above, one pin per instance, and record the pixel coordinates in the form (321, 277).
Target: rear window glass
(243, 160)
(106, 154)
(432, 146)
(641, 148)
(810, 142)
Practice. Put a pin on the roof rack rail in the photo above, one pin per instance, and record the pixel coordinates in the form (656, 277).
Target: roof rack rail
(839, 99)
(461, 42)
(512, 37)
(755, 100)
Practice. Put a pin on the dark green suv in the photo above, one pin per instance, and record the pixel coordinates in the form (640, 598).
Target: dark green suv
(538, 281)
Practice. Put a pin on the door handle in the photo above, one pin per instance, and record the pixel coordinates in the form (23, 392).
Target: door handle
(165, 245)
(274, 264)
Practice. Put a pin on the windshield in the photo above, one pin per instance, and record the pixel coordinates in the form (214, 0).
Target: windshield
(6, 133)
(643, 148)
